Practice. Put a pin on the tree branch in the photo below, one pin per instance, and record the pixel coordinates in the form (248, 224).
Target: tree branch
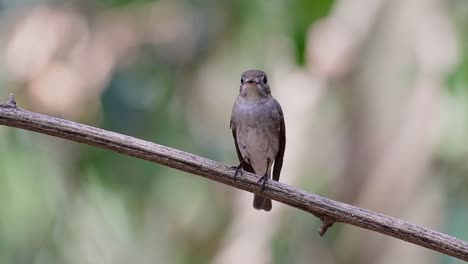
(327, 210)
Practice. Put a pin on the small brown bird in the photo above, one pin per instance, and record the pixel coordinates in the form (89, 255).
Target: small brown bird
(257, 125)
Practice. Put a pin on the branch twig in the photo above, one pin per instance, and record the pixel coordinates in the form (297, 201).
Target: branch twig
(327, 210)
(326, 224)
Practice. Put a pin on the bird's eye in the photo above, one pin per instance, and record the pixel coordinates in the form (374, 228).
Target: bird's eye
(242, 80)
(265, 80)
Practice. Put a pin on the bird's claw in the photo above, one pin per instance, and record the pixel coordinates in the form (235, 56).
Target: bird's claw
(263, 180)
(238, 170)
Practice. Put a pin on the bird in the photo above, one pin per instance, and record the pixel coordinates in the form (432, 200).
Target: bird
(258, 128)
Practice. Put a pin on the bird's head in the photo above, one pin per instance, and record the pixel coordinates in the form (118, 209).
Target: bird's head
(254, 85)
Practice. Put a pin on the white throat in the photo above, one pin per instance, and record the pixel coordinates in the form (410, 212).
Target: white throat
(251, 94)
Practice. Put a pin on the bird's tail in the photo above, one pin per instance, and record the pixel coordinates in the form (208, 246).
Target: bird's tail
(261, 203)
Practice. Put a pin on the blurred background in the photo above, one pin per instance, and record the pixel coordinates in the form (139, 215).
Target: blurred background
(375, 97)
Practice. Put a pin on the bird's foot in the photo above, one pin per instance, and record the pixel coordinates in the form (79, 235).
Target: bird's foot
(238, 170)
(263, 180)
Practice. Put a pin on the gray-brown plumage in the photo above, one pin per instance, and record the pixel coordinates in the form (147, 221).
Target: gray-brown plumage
(257, 125)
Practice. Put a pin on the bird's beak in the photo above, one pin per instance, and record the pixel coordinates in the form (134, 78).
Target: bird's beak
(250, 81)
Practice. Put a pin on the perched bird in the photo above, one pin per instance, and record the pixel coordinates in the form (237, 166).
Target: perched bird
(257, 125)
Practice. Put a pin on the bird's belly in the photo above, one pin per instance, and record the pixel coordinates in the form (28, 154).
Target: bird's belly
(259, 145)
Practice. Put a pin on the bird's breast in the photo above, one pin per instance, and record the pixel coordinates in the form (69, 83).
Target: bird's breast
(257, 131)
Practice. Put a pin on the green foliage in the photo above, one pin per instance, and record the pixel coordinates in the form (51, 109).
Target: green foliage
(304, 13)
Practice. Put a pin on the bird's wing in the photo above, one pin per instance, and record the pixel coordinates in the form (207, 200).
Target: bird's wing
(282, 144)
(245, 165)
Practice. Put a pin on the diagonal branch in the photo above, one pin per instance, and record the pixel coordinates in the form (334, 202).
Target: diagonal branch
(327, 210)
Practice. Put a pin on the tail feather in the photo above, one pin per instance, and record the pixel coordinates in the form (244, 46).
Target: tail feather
(261, 203)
